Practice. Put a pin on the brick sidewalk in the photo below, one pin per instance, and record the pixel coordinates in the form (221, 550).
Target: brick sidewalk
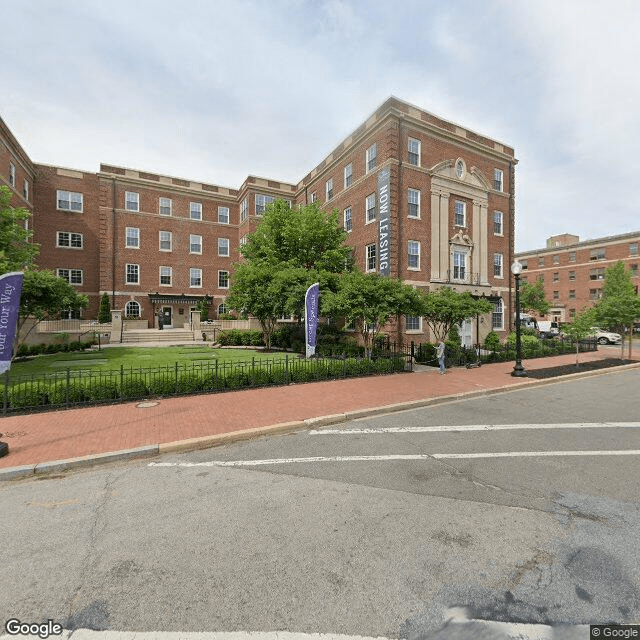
(58, 435)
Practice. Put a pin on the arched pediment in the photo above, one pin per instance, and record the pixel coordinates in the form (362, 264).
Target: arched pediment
(472, 177)
(461, 239)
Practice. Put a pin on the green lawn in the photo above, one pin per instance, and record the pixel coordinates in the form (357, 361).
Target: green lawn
(138, 357)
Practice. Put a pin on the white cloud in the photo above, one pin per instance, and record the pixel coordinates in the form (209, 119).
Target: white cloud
(219, 90)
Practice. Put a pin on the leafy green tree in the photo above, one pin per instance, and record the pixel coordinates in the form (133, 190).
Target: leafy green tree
(44, 296)
(370, 300)
(619, 306)
(104, 315)
(257, 290)
(16, 251)
(580, 328)
(532, 298)
(203, 308)
(291, 249)
(445, 308)
(305, 237)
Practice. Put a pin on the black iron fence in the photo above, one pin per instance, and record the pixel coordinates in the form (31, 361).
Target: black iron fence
(80, 387)
(463, 356)
(72, 387)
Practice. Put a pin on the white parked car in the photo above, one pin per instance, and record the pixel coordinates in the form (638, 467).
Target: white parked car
(605, 337)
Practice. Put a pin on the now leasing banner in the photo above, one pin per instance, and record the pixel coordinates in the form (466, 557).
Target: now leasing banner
(10, 288)
(384, 219)
(311, 317)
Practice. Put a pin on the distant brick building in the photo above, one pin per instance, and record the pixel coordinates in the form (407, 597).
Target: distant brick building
(573, 271)
(421, 198)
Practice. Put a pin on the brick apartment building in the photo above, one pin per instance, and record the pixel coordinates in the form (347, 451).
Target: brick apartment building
(421, 198)
(573, 271)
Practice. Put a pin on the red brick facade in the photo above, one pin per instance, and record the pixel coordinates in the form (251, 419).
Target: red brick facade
(134, 234)
(573, 271)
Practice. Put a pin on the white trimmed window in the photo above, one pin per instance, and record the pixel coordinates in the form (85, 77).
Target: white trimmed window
(72, 276)
(195, 210)
(131, 201)
(12, 174)
(414, 152)
(166, 240)
(69, 201)
(497, 223)
(414, 203)
(223, 279)
(498, 180)
(195, 277)
(132, 309)
(371, 157)
(329, 189)
(459, 215)
(69, 240)
(348, 221)
(413, 255)
(132, 238)
(314, 197)
(370, 207)
(497, 265)
(262, 202)
(132, 274)
(243, 241)
(223, 215)
(348, 175)
(223, 247)
(222, 308)
(413, 323)
(195, 243)
(166, 274)
(371, 257)
(25, 189)
(497, 317)
(165, 207)
(244, 211)
(459, 265)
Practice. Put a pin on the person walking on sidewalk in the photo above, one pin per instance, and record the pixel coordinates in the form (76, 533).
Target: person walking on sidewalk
(440, 354)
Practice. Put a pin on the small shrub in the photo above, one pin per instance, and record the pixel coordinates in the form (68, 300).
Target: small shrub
(102, 391)
(62, 393)
(133, 388)
(27, 395)
(190, 383)
(492, 341)
(236, 380)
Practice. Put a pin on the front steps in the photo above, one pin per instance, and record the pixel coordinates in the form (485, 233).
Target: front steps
(157, 335)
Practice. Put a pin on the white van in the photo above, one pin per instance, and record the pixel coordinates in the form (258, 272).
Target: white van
(548, 329)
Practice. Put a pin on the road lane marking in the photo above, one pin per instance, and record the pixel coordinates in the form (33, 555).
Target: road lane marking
(475, 427)
(514, 631)
(395, 457)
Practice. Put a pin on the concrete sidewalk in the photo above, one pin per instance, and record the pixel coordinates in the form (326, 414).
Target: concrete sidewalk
(57, 440)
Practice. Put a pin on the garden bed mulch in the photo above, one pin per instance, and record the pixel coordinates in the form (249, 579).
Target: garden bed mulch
(566, 369)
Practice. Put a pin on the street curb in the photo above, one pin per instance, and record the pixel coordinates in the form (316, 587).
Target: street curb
(40, 468)
(204, 442)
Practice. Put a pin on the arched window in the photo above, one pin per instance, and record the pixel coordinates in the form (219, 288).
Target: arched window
(132, 310)
(222, 309)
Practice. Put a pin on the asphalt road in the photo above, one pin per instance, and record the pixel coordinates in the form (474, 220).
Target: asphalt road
(520, 508)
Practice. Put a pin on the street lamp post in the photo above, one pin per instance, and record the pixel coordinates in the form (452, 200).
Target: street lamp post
(518, 369)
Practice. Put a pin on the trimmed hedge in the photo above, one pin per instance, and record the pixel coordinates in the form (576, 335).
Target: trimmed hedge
(63, 392)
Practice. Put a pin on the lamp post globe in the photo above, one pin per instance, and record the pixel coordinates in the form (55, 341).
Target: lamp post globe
(518, 369)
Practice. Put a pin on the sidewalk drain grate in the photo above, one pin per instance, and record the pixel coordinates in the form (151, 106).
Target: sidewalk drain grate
(146, 405)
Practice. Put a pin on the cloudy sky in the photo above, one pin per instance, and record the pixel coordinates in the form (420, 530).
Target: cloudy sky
(214, 90)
